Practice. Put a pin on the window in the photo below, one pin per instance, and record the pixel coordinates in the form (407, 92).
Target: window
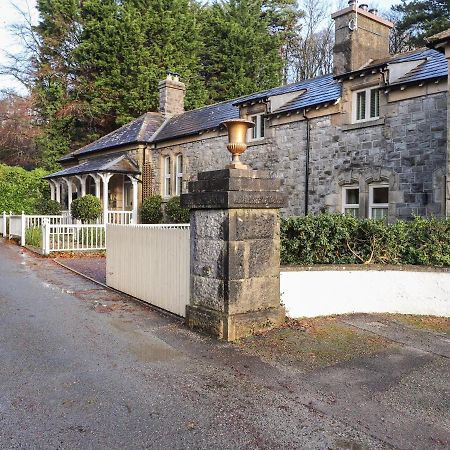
(179, 174)
(167, 185)
(127, 194)
(259, 130)
(378, 201)
(350, 200)
(366, 104)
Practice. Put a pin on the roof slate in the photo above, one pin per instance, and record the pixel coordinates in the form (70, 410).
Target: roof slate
(114, 163)
(139, 130)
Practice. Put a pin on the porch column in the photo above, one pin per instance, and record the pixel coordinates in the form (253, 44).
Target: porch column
(97, 181)
(105, 178)
(52, 190)
(82, 179)
(57, 185)
(69, 192)
(134, 183)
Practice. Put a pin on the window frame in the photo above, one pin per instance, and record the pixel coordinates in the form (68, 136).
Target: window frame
(367, 104)
(167, 176)
(178, 174)
(373, 205)
(258, 132)
(126, 193)
(355, 206)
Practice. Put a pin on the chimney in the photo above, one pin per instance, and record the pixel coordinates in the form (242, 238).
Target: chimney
(171, 95)
(360, 36)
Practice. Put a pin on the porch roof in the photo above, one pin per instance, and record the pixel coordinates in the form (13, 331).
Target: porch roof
(115, 163)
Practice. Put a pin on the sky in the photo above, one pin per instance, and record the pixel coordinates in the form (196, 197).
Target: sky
(9, 43)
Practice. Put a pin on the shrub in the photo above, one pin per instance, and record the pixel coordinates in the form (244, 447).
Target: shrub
(22, 190)
(343, 239)
(49, 207)
(151, 211)
(175, 213)
(87, 208)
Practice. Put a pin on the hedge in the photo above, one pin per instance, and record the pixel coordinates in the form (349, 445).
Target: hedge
(343, 239)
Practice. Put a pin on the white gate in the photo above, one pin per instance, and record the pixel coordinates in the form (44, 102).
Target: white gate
(151, 263)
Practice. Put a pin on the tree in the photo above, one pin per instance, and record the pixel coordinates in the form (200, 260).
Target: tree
(17, 131)
(87, 208)
(241, 54)
(311, 50)
(421, 19)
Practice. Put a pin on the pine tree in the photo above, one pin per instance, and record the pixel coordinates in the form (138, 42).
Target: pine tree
(421, 19)
(242, 54)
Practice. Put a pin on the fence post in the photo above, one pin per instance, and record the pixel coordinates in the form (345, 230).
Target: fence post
(46, 237)
(4, 224)
(22, 229)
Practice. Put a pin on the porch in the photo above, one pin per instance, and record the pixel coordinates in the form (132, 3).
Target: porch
(114, 179)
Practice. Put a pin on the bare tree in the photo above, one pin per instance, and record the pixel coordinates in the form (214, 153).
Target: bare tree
(311, 53)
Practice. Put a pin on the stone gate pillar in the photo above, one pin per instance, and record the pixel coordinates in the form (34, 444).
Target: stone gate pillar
(235, 252)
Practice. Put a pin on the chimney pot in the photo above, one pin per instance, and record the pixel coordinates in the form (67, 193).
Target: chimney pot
(374, 11)
(364, 6)
(351, 2)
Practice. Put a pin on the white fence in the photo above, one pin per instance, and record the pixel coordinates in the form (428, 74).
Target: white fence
(120, 217)
(72, 238)
(150, 262)
(310, 293)
(19, 224)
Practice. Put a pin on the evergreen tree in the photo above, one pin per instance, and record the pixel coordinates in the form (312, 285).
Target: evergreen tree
(421, 19)
(242, 52)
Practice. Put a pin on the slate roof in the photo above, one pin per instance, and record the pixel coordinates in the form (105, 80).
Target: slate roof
(114, 163)
(197, 120)
(138, 131)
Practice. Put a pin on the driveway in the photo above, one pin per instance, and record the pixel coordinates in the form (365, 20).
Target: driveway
(86, 368)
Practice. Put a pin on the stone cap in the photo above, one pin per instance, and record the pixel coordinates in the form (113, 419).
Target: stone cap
(234, 189)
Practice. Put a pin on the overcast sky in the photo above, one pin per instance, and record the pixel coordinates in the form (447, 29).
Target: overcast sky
(9, 16)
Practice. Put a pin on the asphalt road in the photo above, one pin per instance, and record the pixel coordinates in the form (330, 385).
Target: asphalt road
(84, 368)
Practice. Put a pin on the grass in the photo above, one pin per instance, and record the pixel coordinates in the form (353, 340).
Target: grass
(33, 237)
(313, 343)
(428, 323)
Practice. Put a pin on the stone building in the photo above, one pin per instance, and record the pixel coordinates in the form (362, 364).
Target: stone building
(369, 139)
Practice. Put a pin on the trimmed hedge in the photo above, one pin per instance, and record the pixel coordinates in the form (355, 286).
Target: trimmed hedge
(151, 211)
(175, 213)
(343, 239)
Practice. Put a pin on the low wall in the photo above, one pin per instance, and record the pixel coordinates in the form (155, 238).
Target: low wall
(321, 291)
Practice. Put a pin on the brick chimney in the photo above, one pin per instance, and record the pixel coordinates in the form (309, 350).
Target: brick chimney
(361, 36)
(171, 95)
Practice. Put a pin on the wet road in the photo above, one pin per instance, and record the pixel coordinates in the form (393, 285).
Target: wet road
(85, 368)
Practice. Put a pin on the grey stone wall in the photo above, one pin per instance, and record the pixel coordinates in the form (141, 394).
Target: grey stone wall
(408, 151)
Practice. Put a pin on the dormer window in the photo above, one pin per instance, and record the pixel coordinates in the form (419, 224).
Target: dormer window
(258, 131)
(366, 104)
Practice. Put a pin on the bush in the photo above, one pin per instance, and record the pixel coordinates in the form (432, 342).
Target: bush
(151, 211)
(22, 190)
(87, 208)
(175, 213)
(343, 239)
(49, 207)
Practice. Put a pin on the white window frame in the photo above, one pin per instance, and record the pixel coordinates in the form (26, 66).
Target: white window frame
(258, 132)
(368, 100)
(167, 176)
(373, 205)
(178, 174)
(345, 205)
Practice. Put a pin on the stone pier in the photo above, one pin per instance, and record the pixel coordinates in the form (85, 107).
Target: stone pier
(235, 252)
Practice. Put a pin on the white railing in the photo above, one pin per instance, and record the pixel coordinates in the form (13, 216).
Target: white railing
(150, 262)
(4, 220)
(120, 217)
(19, 224)
(72, 238)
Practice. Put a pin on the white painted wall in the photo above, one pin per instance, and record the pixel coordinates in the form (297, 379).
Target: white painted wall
(327, 292)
